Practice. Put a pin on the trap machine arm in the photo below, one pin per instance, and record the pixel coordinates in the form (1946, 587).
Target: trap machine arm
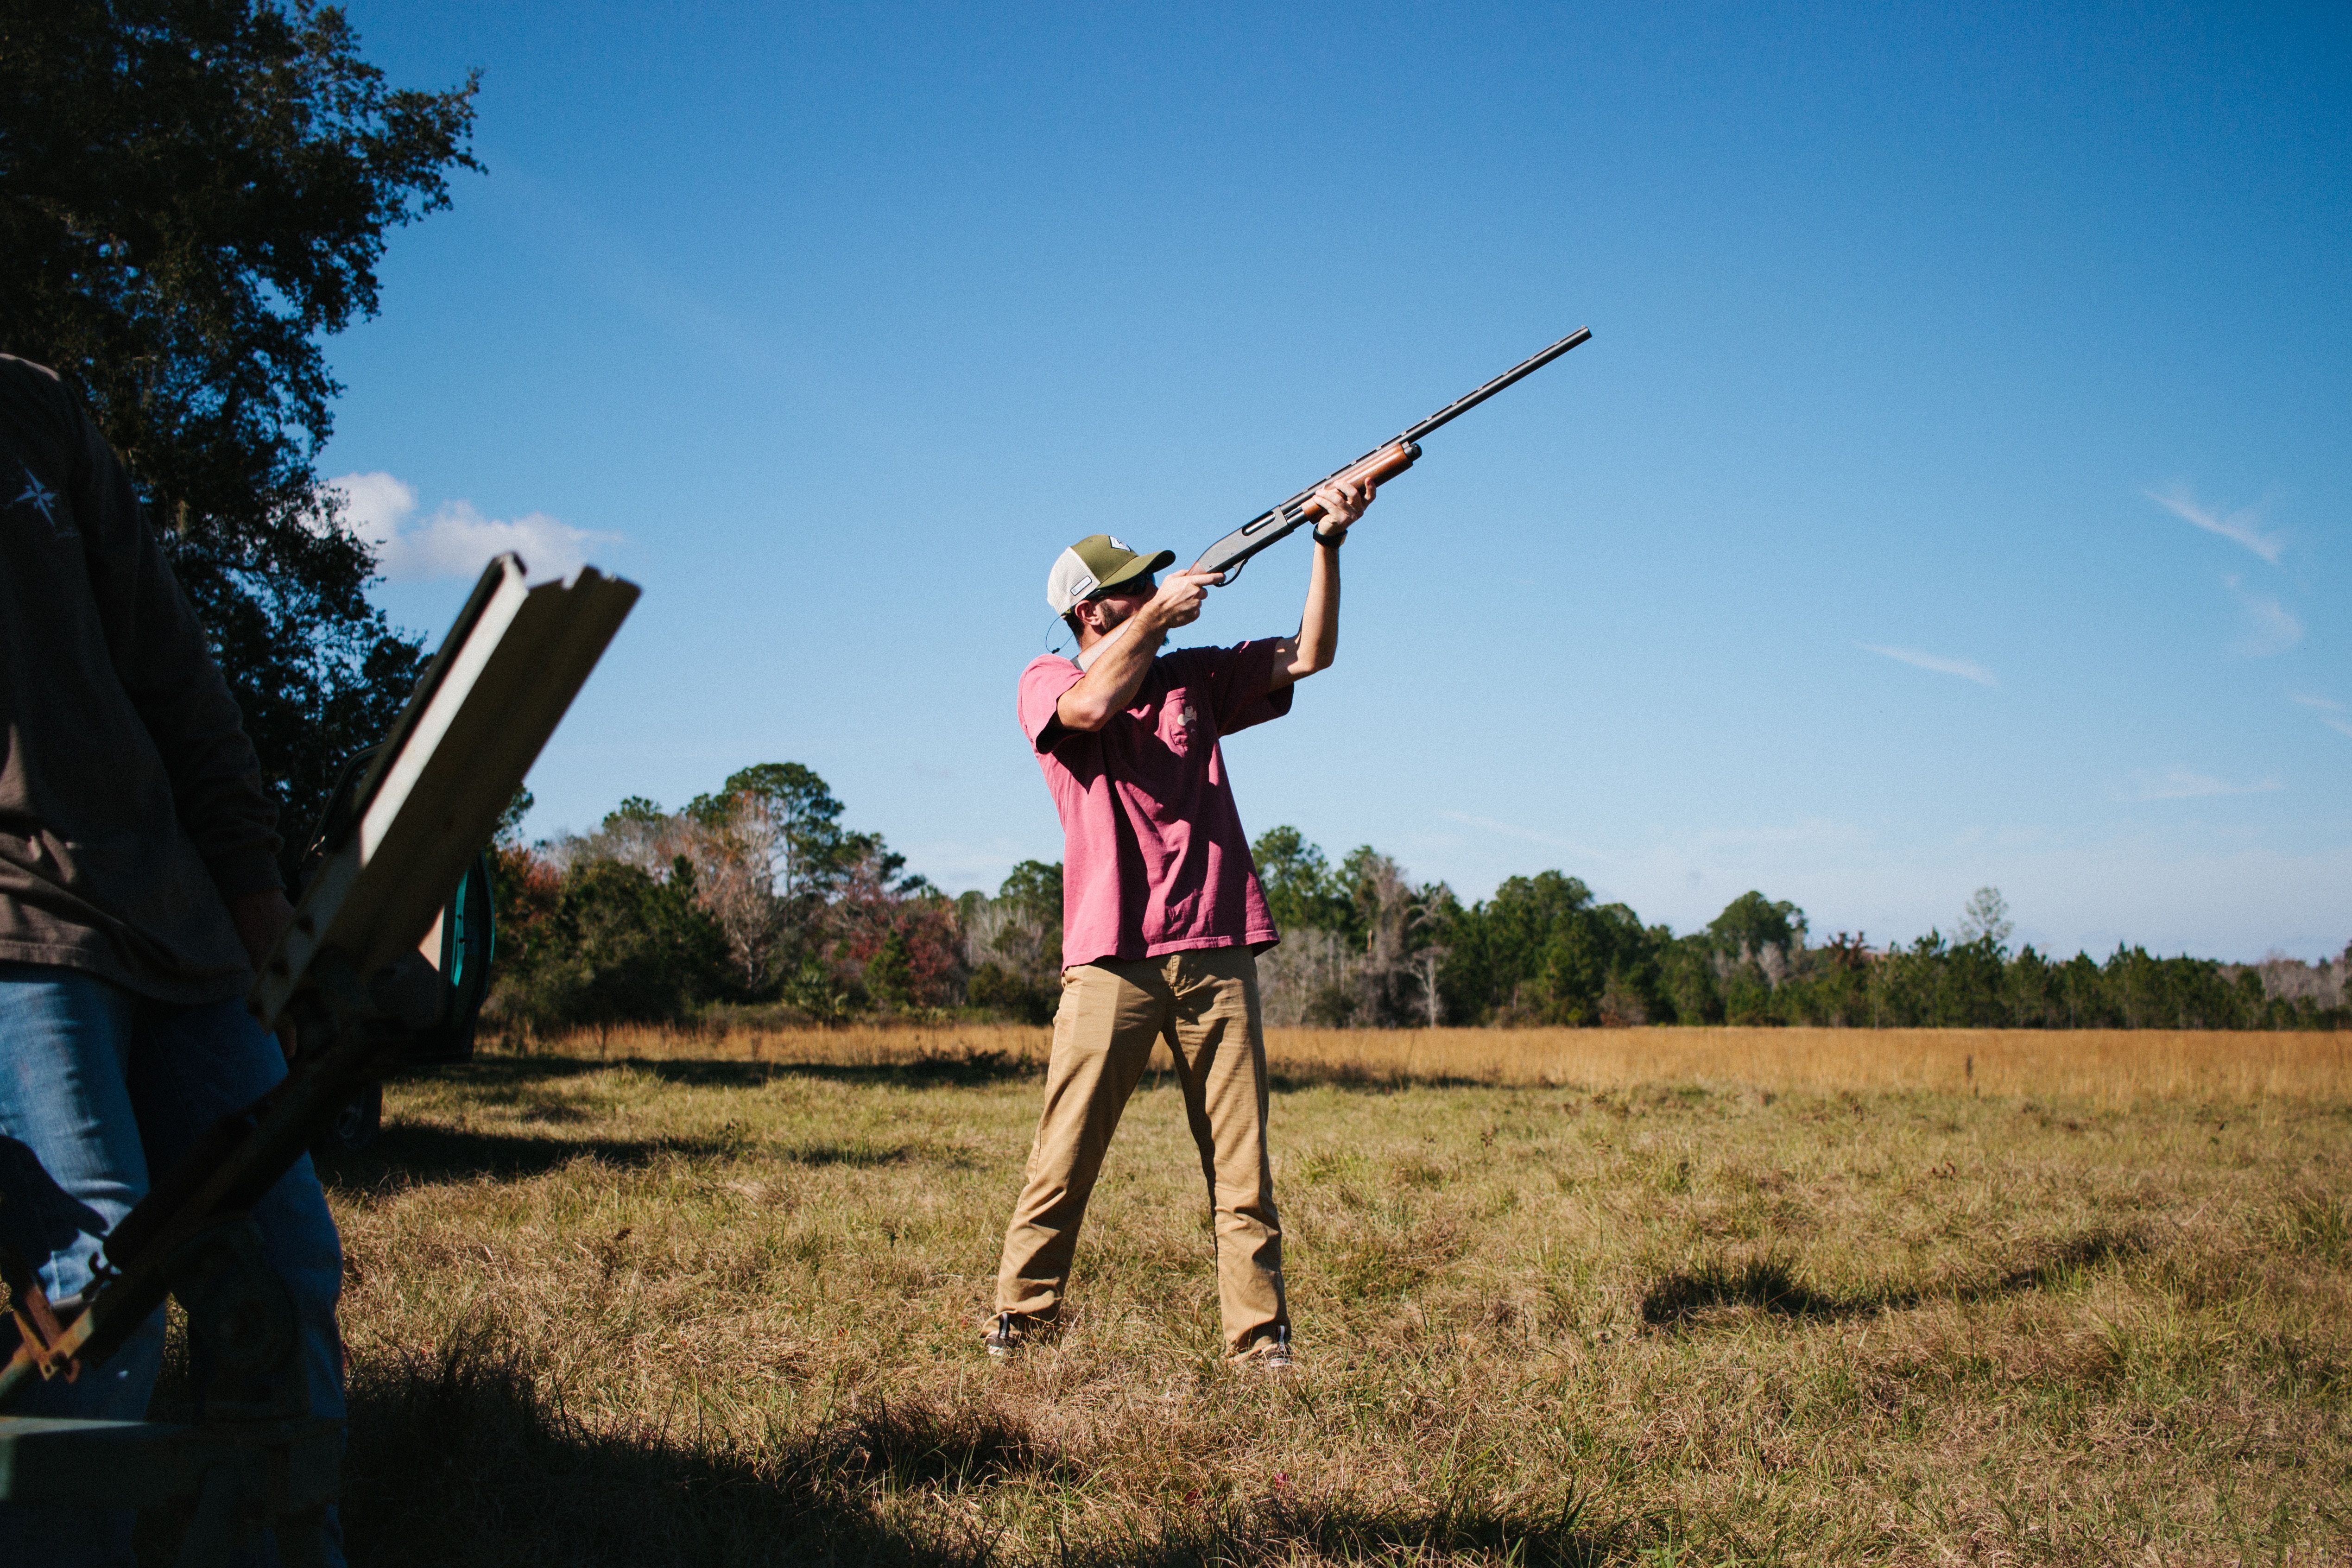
(347, 967)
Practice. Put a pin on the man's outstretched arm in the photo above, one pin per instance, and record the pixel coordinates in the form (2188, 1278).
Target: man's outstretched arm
(1318, 642)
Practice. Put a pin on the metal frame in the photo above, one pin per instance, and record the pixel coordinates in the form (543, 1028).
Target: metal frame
(489, 702)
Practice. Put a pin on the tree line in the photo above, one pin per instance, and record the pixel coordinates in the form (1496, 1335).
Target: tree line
(1544, 951)
(756, 902)
(753, 896)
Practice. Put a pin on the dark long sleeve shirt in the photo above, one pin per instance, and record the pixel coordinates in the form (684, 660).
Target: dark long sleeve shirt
(131, 804)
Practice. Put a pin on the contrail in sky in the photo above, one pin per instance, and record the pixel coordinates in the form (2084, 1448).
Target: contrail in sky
(2239, 526)
(1959, 667)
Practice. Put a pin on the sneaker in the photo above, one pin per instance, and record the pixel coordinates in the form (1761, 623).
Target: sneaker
(1271, 1352)
(1004, 1337)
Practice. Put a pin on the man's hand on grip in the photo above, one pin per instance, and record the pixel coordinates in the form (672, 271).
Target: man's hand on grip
(1177, 602)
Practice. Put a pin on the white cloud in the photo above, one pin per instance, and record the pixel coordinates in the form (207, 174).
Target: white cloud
(2238, 527)
(374, 505)
(2275, 628)
(1959, 667)
(457, 540)
(2182, 784)
(2341, 726)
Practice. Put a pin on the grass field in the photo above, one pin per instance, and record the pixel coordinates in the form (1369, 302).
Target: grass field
(1654, 1296)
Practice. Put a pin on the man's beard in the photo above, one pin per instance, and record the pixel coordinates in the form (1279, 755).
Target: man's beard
(1115, 616)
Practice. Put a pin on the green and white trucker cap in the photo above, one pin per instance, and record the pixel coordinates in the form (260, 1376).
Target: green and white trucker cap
(1093, 563)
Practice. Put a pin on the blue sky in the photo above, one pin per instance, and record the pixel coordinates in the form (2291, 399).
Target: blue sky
(1954, 491)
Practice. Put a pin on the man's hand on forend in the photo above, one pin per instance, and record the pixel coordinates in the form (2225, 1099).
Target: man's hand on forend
(1343, 502)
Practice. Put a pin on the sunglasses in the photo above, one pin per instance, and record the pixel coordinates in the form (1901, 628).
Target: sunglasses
(1134, 587)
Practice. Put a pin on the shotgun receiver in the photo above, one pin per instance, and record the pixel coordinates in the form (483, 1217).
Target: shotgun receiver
(1380, 465)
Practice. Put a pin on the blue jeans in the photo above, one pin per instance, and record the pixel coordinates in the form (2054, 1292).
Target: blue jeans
(98, 1089)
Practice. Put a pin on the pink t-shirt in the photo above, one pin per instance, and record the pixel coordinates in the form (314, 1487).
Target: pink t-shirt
(1154, 858)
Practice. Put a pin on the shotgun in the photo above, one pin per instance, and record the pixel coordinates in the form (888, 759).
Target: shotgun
(1384, 462)
(1379, 466)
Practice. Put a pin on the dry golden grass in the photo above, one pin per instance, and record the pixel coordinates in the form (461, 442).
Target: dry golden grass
(1643, 1297)
(2109, 1067)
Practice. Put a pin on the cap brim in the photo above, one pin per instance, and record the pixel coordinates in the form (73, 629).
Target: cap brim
(1140, 567)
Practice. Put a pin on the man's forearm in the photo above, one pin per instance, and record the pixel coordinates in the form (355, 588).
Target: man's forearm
(1317, 643)
(1318, 625)
(1112, 682)
(178, 690)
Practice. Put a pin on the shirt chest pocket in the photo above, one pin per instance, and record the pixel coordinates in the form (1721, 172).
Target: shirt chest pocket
(1180, 728)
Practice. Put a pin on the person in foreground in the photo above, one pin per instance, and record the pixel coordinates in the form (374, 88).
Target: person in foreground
(1162, 917)
(139, 889)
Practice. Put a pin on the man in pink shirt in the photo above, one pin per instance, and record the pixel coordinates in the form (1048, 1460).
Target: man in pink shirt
(1162, 917)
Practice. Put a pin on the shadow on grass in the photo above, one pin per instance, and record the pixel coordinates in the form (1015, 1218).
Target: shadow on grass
(856, 1155)
(1687, 1294)
(2055, 1265)
(462, 1457)
(415, 1151)
(420, 1153)
(514, 1073)
(1690, 1297)
(971, 1068)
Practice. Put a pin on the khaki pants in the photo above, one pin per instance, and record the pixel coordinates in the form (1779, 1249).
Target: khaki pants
(1205, 1004)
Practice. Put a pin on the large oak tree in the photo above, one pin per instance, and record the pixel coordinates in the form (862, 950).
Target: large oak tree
(193, 194)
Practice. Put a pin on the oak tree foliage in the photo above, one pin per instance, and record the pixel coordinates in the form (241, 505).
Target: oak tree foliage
(1012, 943)
(194, 195)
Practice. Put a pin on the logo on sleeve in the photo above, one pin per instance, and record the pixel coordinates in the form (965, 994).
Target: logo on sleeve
(42, 500)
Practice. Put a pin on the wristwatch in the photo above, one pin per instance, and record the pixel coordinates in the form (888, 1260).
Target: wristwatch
(1329, 540)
